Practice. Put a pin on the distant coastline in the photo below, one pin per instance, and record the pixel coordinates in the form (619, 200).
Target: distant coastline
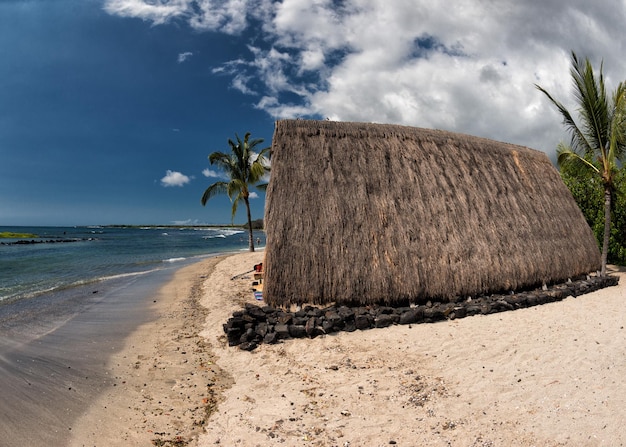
(256, 225)
(166, 226)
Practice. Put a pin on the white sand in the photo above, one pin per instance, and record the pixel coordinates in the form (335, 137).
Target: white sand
(551, 375)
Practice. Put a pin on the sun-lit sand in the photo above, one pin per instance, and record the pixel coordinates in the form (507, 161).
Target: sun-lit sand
(551, 375)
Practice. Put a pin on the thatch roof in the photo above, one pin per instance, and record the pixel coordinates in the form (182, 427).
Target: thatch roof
(365, 213)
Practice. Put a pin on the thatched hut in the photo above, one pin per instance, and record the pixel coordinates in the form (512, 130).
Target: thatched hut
(369, 213)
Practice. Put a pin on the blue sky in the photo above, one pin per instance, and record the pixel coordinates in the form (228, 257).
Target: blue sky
(109, 108)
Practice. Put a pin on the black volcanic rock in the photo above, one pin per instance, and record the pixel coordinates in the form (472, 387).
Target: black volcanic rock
(253, 324)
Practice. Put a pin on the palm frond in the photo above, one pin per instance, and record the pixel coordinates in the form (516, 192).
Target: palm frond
(264, 155)
(221, 159)
(235, 187)
(214, 189)
(257, 171)
(578, 137)
(618, 129)
(591, 96)
(568, 158)
(254, 143)
(237, 150)
(601, 138)
(242, 166)
(238, 199)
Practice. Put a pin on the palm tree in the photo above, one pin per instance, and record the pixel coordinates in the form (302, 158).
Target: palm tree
(245, 168)
(599, 144)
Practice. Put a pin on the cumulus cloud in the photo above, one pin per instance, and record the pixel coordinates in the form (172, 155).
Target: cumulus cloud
(468, 67)
(182, 57)
(253, 195)
(211, 173)
(174, 178)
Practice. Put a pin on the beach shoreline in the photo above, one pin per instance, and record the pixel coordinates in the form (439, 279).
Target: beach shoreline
(166, 382)
(550, 375)
(53, 352)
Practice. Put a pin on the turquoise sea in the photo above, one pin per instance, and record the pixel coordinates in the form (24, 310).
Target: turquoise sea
(98, 254)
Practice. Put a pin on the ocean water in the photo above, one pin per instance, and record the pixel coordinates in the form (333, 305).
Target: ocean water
(99, 254)
(66, 307)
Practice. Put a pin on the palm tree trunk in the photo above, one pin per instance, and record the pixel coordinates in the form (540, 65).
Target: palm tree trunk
(250, 235)
(607, 228)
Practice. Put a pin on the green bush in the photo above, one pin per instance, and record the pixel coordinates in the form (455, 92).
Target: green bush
(257, 224)
(589, 194)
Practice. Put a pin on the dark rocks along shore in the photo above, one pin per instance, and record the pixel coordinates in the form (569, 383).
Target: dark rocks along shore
(253, 325)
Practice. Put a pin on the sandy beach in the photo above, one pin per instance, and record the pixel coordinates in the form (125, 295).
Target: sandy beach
(550, 375)
(164, 380)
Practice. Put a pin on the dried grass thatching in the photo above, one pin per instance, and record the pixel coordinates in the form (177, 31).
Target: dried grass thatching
(368, 213)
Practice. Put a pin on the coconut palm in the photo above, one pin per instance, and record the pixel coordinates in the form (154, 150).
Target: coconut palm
(598, 145)
(245, 168)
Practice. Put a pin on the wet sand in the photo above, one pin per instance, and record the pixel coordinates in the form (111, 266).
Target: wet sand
(55, 355)
(165, 381)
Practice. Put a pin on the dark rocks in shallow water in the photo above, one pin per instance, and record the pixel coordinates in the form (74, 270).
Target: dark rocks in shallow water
(253, 325)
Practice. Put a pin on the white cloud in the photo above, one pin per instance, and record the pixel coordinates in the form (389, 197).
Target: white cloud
(210, 173)
(174, 178)
(253, 195)
(469, 66)
(227, 16)
(182, 57)
(158, 12)
(187, 222)
(240, 82)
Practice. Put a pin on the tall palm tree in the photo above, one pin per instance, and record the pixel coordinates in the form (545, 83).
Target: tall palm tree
(598, 145)
(245, 168)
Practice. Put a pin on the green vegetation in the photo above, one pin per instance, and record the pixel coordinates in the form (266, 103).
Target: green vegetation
(9, 235)
(245, 168)
(589, 194)
(598, 145)
(257, 224)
